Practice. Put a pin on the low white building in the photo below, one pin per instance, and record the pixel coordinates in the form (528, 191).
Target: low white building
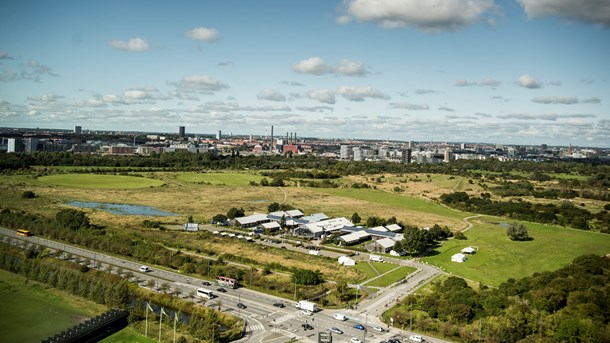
(459, 257)
(346, 261)
(469, 250)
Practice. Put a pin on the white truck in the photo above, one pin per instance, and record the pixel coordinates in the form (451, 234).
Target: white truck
(306, 305)
(376, 258)
(314, 252)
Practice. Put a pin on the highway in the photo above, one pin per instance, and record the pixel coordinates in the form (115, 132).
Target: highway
(265, 322)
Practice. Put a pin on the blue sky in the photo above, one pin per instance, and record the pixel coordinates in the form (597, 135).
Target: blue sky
(512, 71)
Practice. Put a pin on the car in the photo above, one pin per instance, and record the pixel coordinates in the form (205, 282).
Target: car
(283, 247)
(144, 269)
(378, 328)
(205, 283)
(355, 340)
(307, 327)
(280, 305)
(416, 338)
(307, 313)
(221, 290)
(336, 330)
(359, 327)
(242, 306)
(394, 340)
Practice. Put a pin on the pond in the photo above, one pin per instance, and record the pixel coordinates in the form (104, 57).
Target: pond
(123, 209)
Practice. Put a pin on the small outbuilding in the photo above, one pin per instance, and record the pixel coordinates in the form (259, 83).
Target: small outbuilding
(469, 250)
(346, 261)
(458, 258)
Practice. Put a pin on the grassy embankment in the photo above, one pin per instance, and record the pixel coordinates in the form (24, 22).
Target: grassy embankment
(32, 311)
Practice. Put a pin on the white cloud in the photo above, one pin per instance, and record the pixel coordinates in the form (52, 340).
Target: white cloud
(445, 108)
(202, 34)
(199, 84)
(317, 66)
(351, 68)
(313, 65)
(433, 16)
(489, 82)
(409, 106)
(529, 82)
(564, 100)
(464, 83)
(593, 100)
(315, 108)
(47, 97)
(424, 91)
(292, 83)
(271, 95)
(326, 96)
(360, 93)
(132, 45)
(546, 116)
(590, 11)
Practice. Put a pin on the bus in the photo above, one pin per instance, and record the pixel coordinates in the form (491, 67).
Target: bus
(205, 293)
(22, 232)
(226, 282)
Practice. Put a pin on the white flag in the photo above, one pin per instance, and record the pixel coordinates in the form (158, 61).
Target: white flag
(150, 308)
(175, 316)
(163, 312)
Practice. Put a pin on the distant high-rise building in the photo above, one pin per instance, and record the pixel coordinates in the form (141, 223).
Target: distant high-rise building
(218, 135)
(78, 129)
(30, 144)
(357, 153)
(448, 154)
(181, 131)
(344, 152)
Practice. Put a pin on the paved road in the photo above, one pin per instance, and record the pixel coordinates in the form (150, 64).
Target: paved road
(265, 322)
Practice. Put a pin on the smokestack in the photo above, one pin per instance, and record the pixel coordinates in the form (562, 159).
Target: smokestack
(291, 138)
(295, 137)
(286, 138)
(271, 145)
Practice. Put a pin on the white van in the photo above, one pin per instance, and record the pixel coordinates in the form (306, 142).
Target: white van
(144, 269)
(339, 316)
(376, 258)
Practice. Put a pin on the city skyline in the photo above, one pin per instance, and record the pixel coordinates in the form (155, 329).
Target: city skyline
(512, 72)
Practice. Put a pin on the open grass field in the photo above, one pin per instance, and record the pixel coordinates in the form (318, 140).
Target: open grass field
(31, 311)
(367, 269)
(397, 274)
(95, 181)
(130, 335)
(228, 179)
(498, 258)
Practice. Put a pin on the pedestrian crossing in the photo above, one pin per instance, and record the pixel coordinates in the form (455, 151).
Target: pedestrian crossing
(253, 328)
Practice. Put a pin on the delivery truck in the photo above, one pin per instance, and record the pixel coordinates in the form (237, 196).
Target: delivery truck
(306, 305)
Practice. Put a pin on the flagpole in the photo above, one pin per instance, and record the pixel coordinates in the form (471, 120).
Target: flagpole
(146, 325)
(175, 321)
(160, 321)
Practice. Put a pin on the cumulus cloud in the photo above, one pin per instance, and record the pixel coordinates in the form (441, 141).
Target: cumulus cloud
(430, 16)
(589, 11)
(317, 66)
(351, 68)
(47, 97)
(143, 94)
(529, 82)
(203, 34)
(199, 84)
(360, 93)
(271, 95)
(313, 65)
(5, 56)
(409, 106)
(326, 96)
(593, 100)
(445, 108)
(132, 45)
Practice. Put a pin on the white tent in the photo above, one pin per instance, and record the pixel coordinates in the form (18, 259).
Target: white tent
(468, 250)
(346, 261)
(458, 258)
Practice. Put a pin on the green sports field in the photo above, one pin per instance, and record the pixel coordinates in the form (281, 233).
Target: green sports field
(32, 312)
(498, 258)
(99, 181)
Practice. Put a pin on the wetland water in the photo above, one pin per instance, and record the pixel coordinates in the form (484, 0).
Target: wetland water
(123, 209)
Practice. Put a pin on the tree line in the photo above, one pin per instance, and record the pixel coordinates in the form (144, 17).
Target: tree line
(571, 304)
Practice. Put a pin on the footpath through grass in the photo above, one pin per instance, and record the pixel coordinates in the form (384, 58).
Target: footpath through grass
(498, 258)
(32, 311)
(399, 273)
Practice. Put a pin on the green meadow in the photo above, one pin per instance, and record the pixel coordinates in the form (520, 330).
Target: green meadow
(228, 179)
(32, 311)
(394, 200)
(391, 277)
(98, 181)
(498, 258)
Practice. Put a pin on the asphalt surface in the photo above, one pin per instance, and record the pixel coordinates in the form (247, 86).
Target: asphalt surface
(265, 322)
